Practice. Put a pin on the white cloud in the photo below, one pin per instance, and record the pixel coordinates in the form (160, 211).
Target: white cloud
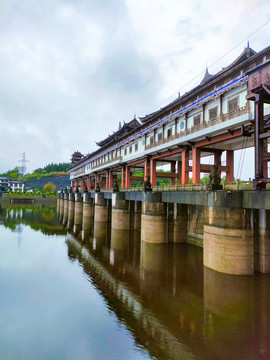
(71, 70)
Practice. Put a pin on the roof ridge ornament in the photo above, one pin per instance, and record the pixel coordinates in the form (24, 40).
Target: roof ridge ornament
(207, 76)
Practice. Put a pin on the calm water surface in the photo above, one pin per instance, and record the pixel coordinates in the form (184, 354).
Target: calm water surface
(104, 295)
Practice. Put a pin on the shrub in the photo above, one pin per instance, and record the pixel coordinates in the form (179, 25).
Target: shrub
(49, 187)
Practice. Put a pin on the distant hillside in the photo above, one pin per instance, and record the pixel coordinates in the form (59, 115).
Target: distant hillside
(59, 181)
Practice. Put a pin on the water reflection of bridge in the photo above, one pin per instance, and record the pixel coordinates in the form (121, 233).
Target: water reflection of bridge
(148, 327)
(174, 307)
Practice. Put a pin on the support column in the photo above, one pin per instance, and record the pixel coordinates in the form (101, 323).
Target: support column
(228, 240)
(179, 172)
(153, 172)
(131, 205)
(137, 215)
(88, 212)
(263, 246)
(172, 179)
(230, 165)
(71, 208)
(180, 226)
(72, 185)
(185, 166)
(258, 142)
(101, 211)
(217, 161)
(265, 169)
(78, 213)
(120, 212)
(110, 179)
(153, 222)
(65, 213)
(88, 183)
(169, 221)
(196, 159)
(195, 225)
(123, 177)
(107, 180)
(146, 168)
(127, 180)
(61, 206)
(97, 179)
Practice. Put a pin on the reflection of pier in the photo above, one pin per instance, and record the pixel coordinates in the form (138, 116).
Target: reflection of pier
(173, 307)
(113, 290)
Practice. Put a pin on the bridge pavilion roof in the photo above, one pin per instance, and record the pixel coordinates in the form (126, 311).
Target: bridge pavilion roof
(123, 130)
(207, 81)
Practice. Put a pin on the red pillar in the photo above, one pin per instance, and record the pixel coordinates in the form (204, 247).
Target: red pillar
(127, 182)
(97, 179)
(185, 165)
(110, 179)
(107, 186)
(217, 161)
(230, 164)
(196, 159)
(265, 169)
(123, 177)
(172, 180)
(88, 183)
(179, 172)
(146, 168)
(153, 172)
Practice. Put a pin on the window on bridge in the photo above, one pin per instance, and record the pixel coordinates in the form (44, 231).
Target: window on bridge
(136, 147)
(169, 133)
(232, 105)
(160, 136)
(125, 151)
(213, 113)
(130, 149)
(151, 140)
(197, 120)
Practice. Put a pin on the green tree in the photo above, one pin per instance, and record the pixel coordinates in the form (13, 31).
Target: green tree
(49, 187)
(14, 173)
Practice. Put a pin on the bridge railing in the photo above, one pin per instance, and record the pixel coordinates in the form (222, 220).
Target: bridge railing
(232, 186)
(219, 119)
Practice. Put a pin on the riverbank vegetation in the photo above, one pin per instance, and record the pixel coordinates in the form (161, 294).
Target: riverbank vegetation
(48, 170)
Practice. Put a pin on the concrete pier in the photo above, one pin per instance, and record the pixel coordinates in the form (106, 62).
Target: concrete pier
(180, 225)
(233, 228)
(120, 212)
(153, 221)
(137, 215)
(78, 213)
(228, 241)
(262, 251)
(65, 212)
(101, 210)
(87, 216)
(71, 207)
(61, 206)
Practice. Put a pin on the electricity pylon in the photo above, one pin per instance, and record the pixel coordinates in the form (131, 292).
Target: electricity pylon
(23, 162)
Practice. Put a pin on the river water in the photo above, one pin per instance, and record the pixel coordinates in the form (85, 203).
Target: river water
(104, 295)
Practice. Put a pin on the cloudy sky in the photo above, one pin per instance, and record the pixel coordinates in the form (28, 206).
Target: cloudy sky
(71, 70)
